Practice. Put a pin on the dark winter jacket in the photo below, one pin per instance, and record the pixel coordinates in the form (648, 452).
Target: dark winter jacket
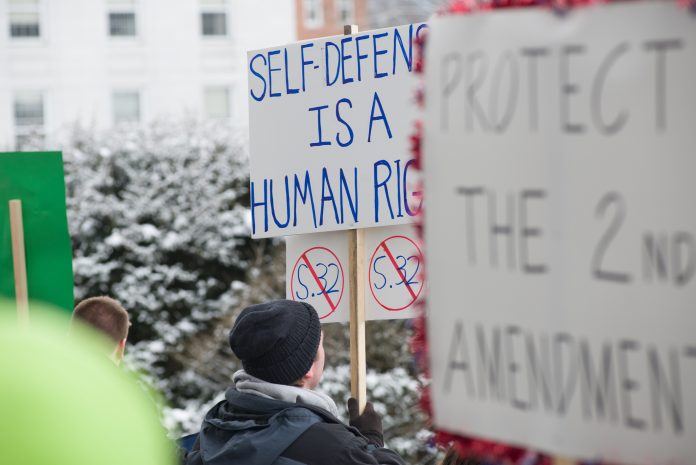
(246, 429)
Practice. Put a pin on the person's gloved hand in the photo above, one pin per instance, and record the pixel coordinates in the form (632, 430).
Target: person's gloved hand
(369, 423)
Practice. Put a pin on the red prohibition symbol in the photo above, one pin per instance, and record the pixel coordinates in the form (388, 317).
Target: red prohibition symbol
(395, 279)
(318, 279)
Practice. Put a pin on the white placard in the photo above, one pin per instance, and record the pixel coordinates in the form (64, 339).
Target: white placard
(560, 154)
(317, 273)
(329, 122)
(395, 278)
(317, 268)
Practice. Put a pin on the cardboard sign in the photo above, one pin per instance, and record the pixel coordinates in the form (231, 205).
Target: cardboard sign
(330, 121)
(317, 265)
(37, 180)
(561, 229)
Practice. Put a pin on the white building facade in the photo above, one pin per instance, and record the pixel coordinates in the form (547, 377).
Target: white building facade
(99, 63)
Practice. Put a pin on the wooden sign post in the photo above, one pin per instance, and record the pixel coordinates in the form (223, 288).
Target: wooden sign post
(356, 266)
(358, 365)
(19, 260)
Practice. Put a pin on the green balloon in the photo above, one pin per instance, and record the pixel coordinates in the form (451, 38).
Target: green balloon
(63, 402)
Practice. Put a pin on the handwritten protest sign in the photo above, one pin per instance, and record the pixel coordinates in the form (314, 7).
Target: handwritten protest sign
(561, 229)
(325, 271)
(316, 266)
(329, 124)
(395, 276)
(36, 179)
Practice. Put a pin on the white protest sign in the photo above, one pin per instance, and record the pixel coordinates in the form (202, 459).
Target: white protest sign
(329, 122)
(395, 275)
(560, 155)
(317, 265)
(316, 273)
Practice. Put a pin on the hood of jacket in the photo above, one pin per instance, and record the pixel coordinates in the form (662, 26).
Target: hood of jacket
(252, 430)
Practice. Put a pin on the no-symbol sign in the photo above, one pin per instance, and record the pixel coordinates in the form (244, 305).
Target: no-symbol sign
(395, 273)
(318, 279)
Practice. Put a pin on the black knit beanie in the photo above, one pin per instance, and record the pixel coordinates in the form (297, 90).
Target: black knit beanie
(277, 341)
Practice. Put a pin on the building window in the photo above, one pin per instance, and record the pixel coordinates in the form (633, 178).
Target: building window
(217, 102)
(126, 107)
(313, 13)
(24, 19)
(345, 10)
(29, 119)
(122, 24)
(122, 18)
(213, 18)
(29, 109)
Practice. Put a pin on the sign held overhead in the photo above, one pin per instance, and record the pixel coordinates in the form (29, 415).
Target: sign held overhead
(329, 126)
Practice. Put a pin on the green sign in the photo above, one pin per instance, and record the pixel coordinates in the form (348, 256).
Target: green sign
(37, 180)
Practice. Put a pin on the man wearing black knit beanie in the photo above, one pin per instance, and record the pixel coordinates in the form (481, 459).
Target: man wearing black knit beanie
(272, 415)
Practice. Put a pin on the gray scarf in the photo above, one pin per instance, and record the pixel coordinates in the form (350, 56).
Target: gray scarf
(248, 384)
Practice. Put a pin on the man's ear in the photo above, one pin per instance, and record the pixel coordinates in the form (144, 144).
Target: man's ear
(308, 378)
(119, 351)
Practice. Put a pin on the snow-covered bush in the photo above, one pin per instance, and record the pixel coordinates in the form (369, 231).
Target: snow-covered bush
(158, 221)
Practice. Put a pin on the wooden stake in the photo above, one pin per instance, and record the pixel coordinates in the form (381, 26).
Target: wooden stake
(356, 280)
(358, 364)
(19, 260)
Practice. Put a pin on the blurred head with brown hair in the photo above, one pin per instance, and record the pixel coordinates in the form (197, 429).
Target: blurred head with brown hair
(108, 317)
